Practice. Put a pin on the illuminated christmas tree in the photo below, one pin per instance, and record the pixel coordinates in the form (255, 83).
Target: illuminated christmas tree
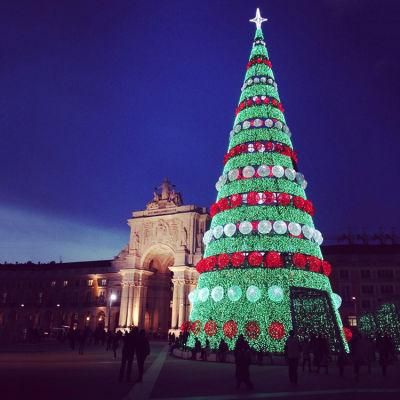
(263, 272)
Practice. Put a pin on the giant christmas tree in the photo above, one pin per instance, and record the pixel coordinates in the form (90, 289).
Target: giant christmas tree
(263, 272)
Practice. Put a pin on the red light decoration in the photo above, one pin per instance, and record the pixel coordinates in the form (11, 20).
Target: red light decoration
(255, 259)
(230, 329)
(252, 330)
(210, 328)
(186, 326)
(276, 330)
(348, 334)
(195, 327)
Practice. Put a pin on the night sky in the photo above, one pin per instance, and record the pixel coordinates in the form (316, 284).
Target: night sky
(100, 100)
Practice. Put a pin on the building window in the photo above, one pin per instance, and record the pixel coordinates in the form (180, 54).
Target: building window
(352, 320)
(365, 274)
(367, 289)
(344, 274)
(90, 282)
(53, 283)
(387, 289)
(4, 298)
(102, 282)
(385, 274)
(65, 283)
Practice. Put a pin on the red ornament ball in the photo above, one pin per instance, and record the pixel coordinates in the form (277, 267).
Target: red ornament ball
(209, 263)
(284, 199)
(237, 259)
(274, 259)
(314, 264)
(210, 328)
(252, 198)
(298, 202)
(326, 268)
(223, 260)
(195, 327)
(223, 204)
(252, 330)
(348, 334)
(236, 200)
(276, 330)
(186, 326)
(299, 260)
(230, 329)
(255, 259)
(214, 209)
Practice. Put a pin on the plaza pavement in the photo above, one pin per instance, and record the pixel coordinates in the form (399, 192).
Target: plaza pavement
(54, 372)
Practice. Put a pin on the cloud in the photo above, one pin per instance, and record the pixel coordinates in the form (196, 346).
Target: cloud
(31, 235)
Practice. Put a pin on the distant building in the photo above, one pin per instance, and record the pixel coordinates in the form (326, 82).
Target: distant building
(365, 276)
(153, 275)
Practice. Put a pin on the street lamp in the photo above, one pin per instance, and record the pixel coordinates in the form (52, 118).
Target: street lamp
(113, 297)
(354, 299)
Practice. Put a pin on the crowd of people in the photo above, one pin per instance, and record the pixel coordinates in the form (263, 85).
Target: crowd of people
(312, 354)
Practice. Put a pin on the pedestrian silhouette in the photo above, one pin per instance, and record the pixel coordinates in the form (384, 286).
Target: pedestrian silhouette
(142, 351)
(128, 352)
(292, 354)
(242, 362)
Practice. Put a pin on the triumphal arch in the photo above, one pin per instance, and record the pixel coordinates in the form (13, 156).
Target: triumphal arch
(158, 265)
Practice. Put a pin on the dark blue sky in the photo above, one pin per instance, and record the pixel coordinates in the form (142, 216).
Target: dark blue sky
(100, 100)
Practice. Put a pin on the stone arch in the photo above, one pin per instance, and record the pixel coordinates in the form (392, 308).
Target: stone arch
(157, 308)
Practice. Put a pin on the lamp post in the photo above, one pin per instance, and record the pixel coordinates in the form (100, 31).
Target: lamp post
(354, 299)
(113, 297)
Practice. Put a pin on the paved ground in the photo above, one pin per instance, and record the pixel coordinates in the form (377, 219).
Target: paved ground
(53, 372)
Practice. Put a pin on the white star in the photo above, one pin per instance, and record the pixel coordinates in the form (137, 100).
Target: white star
(258, 19)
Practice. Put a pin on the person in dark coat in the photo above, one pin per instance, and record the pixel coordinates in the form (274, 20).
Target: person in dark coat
(222, 350)
(242, 362)
(292, 354)
(128, 352)
(142, 351)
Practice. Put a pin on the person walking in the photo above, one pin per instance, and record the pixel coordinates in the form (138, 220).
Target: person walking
(306, 353)
(128, 352)
(242, 361)
(115, 343)
(142, 351)
(292, 354)
(222, 350)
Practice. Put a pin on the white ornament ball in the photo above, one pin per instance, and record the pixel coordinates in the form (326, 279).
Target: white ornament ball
(263, 79)
(304, 184)
(280, 227)
(193, 296)
(261, 148)
(337, 300)
(245, 227)
(261, 198)
(269, 123)
(250, 148)
(246, 124)
(299, 178)
(233, 174)
(317, 237)
(290, 173)
(207, 237)
(217, 293)
(229, 229)
(263, 170)
(258, 122)
(264, 227)
(278, 171)
(294, 228)
(308, 231)
(253, 293)
(203, 294)
(275, 293)
(237, 128)
(270, 81)
(278, 125)
(218, 231)
(249, 171)
(256, 80)
(234, 293)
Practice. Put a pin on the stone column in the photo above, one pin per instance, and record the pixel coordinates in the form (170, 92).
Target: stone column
(175, 305)
(130, 305)
(124, 305)
(181, 301)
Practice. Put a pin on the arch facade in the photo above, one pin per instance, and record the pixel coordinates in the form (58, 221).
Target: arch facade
(157, 266)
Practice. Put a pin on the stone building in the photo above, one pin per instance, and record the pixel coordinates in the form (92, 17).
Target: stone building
(152, 276)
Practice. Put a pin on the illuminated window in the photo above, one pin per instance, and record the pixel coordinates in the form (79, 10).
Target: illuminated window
(65, 283)
(53, 283)
(90, 282)
(104, 282)
(352, 320)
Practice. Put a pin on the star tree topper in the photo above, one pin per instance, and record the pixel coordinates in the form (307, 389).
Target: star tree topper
(258, 19)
